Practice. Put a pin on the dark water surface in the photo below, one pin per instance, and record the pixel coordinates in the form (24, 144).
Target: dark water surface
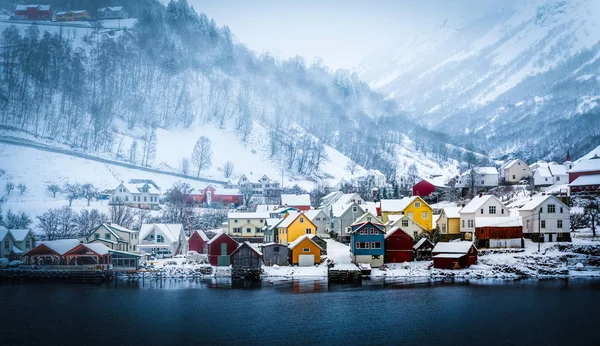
(302, 312)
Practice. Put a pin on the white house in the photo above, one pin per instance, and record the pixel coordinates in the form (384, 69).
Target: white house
(376, 177)
(514, 171)
(7, 243)
(559, 173)
(246, 225)
(143, 195)
(546, 218)
(263, 187)
(114, 237)
(162, 239)
(321, 220)
(24, 241)
(112, 12)
(480, 206)
(485, 177)
(542, 176)
(407, 224)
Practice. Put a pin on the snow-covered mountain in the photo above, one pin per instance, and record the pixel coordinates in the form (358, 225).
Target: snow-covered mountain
(519, 80)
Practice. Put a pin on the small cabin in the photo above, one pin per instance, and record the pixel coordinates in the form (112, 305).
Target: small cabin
(220, 248)
(246, 256)
(398, 246)
(454, 255)
(422, 250)
(275, 254)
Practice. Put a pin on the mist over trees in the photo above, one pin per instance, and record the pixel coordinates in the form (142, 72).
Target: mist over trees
(177, 69)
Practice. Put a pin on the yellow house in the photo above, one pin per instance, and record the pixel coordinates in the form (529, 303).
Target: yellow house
(449, 221)
(414, 207)
(304, 251)
(293, 227)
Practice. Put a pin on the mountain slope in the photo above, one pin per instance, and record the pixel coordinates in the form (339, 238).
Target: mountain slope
(518, 81)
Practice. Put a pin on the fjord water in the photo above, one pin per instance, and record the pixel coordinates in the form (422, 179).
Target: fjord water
(301, 312)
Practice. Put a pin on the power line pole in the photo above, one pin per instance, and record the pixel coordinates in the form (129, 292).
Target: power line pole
(539, 229)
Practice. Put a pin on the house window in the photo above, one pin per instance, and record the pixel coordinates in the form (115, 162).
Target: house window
(126, 198)
(276, 249)
(248, 230)
(371, 231)
(357, 245)
(559, 223)
(107, 235)
(514, 177)
(27, 244)
(96, 236)
(308, 231)
(561, 210)
(463, 223)
(235, 221)
(482, 210)
(502, 211)
(301, 220)
(410, 215)
(375, 245)
(160, 239)
(527, 224)
(492, 209)
(7, 244)
(354, 209)
(368, 218)
(543, 223)
(557, 178)
(471, 223)
(424, 215)
(247, 221)
(306, 249)
(318, 219)
(144, 198)
(417, 204)
(257, 229)
(365, 245)
(443, 228)
(551, 208)
(404, 223)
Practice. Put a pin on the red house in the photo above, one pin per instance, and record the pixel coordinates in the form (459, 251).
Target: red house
(585, 175)
(454, 255)
(398, 246)
(220, 248)
(426, 187)
(33, 12)
(211, 195)
(198, 242)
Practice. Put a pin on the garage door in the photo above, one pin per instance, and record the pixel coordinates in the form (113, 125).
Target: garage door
(306, 260)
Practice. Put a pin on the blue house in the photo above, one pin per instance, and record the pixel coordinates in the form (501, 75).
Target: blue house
(367, 241)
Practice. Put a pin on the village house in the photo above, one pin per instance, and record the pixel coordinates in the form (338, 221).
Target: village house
(112, 12)
(485, 178)
(304, 252)
(72, 16)
(7, 244)
(480, 206)
(210, 196)
(298, 201)
(294, 226)
(454, 255)
(24, 241)
(546, 219)
(498, 232)
(114, 237)
(449, 223)
(321, 221)
(414, 207)
(198, 242)
(33, 12)
(367, 242)
(408, 225)
(513, 171)
(584, 176)
(263, 187)
(275, 254)
(398, 245)
(246, 256)
(248, 226)
(220, 247)
(140, 195)
(328, 200)
(270, 232)
(374, 176)
(343, 213)
(422, 249)
(162, 240)
(428, 186)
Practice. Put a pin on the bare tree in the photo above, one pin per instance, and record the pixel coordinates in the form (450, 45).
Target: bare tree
(247, 193)
(122, 215)
(184, 166)
(8, 187)
(89, 191)
(72, 192)
(53, 189)
(228, 169)
(88, 219)
(202, 154)
(133, 152)
(22, 188)
(351, 167)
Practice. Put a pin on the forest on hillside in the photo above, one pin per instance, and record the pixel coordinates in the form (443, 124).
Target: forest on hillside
(177, 69)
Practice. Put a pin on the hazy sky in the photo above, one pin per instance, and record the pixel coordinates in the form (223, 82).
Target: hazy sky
(341, 32)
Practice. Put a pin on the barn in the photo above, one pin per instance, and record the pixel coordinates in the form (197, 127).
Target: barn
(498, 232)
(246, 256)
(275, 254)
(220, 248)
(198, 242)
(398, 246)
(454, 255)
(426, 187)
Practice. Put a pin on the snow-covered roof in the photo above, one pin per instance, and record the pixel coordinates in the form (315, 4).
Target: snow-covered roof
(394, 229)
(295, 200)
(98, 248)
(482, 170)
(289, 219)
(452, 212)
(137, 188)
(508, 221)
(449, 255)
(121, 228)
(264, 208)
(476, 203)
(420, 243)
(19, 234)
(557, 169)
(313, 213)
(364, 218)
(171, 231)
(273, 222)
(393, 218)
(300, 239)
(437, 181)
(537, 200)
(251, 246)
(110, 8)
(40, 7)
(396, 204)
(453, 247)
(585, 180)
(590, 165)
(508, 164)
(201, 234)
(543, 172)
(3, 232)
(262, 215)
(61, 246)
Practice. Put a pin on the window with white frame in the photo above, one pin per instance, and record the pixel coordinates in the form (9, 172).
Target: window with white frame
(160, 239)
(375, 245)
(551, 208)
(492, 209)
(443, 228)
(425, 215)
(404, 223)
(417, 204)
(471, 223)
(559, 223)
(248, 230)
(308, 231)
(543, 223)
(301, 220)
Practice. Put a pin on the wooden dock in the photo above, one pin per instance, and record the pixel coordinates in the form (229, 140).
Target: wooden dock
(344, 273)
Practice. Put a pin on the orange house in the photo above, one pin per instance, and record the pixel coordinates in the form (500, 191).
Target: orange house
(304, 252)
